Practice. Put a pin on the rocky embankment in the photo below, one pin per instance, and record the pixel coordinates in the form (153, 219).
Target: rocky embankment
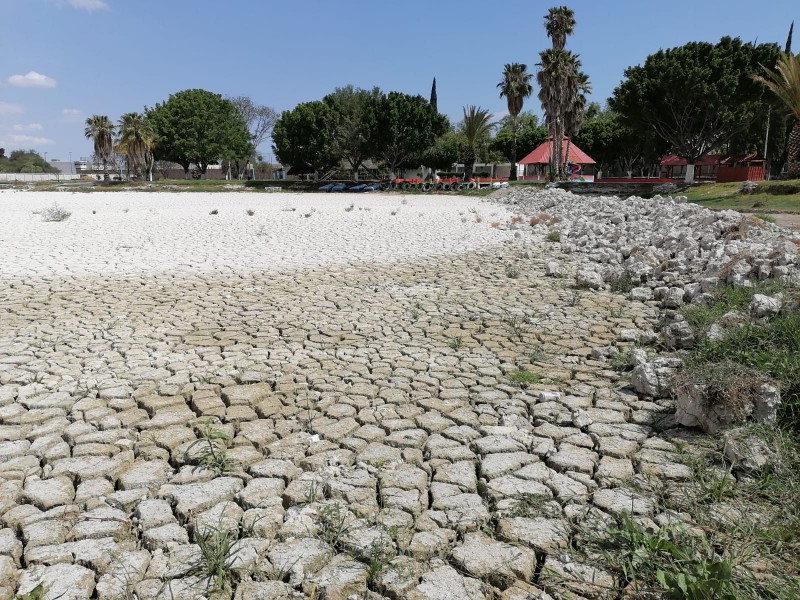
(445, 427)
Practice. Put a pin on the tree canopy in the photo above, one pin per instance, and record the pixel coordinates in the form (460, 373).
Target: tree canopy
(696, 97)
(24, 161)
(304, 137)
(407, 126)
(100, 130)
(199, 127)
(529, 132)
(355, 123)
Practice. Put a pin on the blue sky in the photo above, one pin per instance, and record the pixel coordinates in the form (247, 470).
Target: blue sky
(63, 60)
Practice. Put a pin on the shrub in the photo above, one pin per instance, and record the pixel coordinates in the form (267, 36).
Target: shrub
(769, 348)
(554, 236)
(55, 213)
(622, 284)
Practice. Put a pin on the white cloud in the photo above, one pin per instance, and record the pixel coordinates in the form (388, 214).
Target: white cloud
(32, 79)
(28, 127)
(72, 115)
(10, 109)
(29, 140)
(88, 5)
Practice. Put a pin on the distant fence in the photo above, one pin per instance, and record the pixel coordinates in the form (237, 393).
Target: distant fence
(38, 177)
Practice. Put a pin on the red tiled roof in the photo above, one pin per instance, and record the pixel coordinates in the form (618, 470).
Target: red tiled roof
(541, 156)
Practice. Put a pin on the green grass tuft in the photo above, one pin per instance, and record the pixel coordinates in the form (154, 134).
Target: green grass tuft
(524, 377)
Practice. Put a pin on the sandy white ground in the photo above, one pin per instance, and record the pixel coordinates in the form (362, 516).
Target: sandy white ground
(129, 233)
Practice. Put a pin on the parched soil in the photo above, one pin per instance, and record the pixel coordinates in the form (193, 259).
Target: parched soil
(433, 428)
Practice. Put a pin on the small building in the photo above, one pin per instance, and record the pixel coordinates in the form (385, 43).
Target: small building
(537, 163)
(716, 167)
(674, 167)
(741, 168)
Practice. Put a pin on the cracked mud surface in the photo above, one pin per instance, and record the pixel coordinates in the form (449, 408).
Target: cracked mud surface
(375, 441)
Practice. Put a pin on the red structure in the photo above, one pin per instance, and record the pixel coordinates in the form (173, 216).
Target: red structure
(717, 167)
(674, 167)
(741, 168)
(537, 162)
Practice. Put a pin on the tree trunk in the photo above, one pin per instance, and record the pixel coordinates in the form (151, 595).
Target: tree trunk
(793, 156)
(469, 163)
(512, 176)
(566, 160)
(689, 173)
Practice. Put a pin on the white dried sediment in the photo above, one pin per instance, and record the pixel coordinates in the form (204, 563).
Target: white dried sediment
(124, 233)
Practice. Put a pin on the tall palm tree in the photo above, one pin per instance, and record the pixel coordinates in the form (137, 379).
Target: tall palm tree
(562, 85)
(558, 82)
(515, 87)
(100, 129)
(784, 82)
(475, 127)
(559, 23)
(137, 138)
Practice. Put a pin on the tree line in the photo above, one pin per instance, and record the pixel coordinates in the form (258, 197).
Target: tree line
(729, 97)
(193, 128)
(24, 161)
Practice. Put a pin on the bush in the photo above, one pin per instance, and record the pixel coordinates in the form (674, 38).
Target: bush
(55, 213)
(771, 348)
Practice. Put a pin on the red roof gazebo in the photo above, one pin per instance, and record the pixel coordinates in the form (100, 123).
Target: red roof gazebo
(538, 161)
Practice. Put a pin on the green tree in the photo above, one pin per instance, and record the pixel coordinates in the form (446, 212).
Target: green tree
(100, 130)
(137, 139)
(515, 87)
(562, 84)
(696, 97)
(784, 83)
(406, 127)
(434, 96)
(559, 23)
(355, 121)
(476, 129)
(199, 127)
(445, 152)
(529, 134)
(304, 137)
(24, 161)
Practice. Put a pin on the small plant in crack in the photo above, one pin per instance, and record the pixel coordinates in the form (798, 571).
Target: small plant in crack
(535, 354)
(512, 272)
(456, 343)
(212, 450)
(515, 324)
(218, 550)
(381, 553)
(250, 212)
(528, 506)
(524, 378)
(315, 492)
(333, 525)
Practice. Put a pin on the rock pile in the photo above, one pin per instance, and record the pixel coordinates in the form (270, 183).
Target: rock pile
(668, 249)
